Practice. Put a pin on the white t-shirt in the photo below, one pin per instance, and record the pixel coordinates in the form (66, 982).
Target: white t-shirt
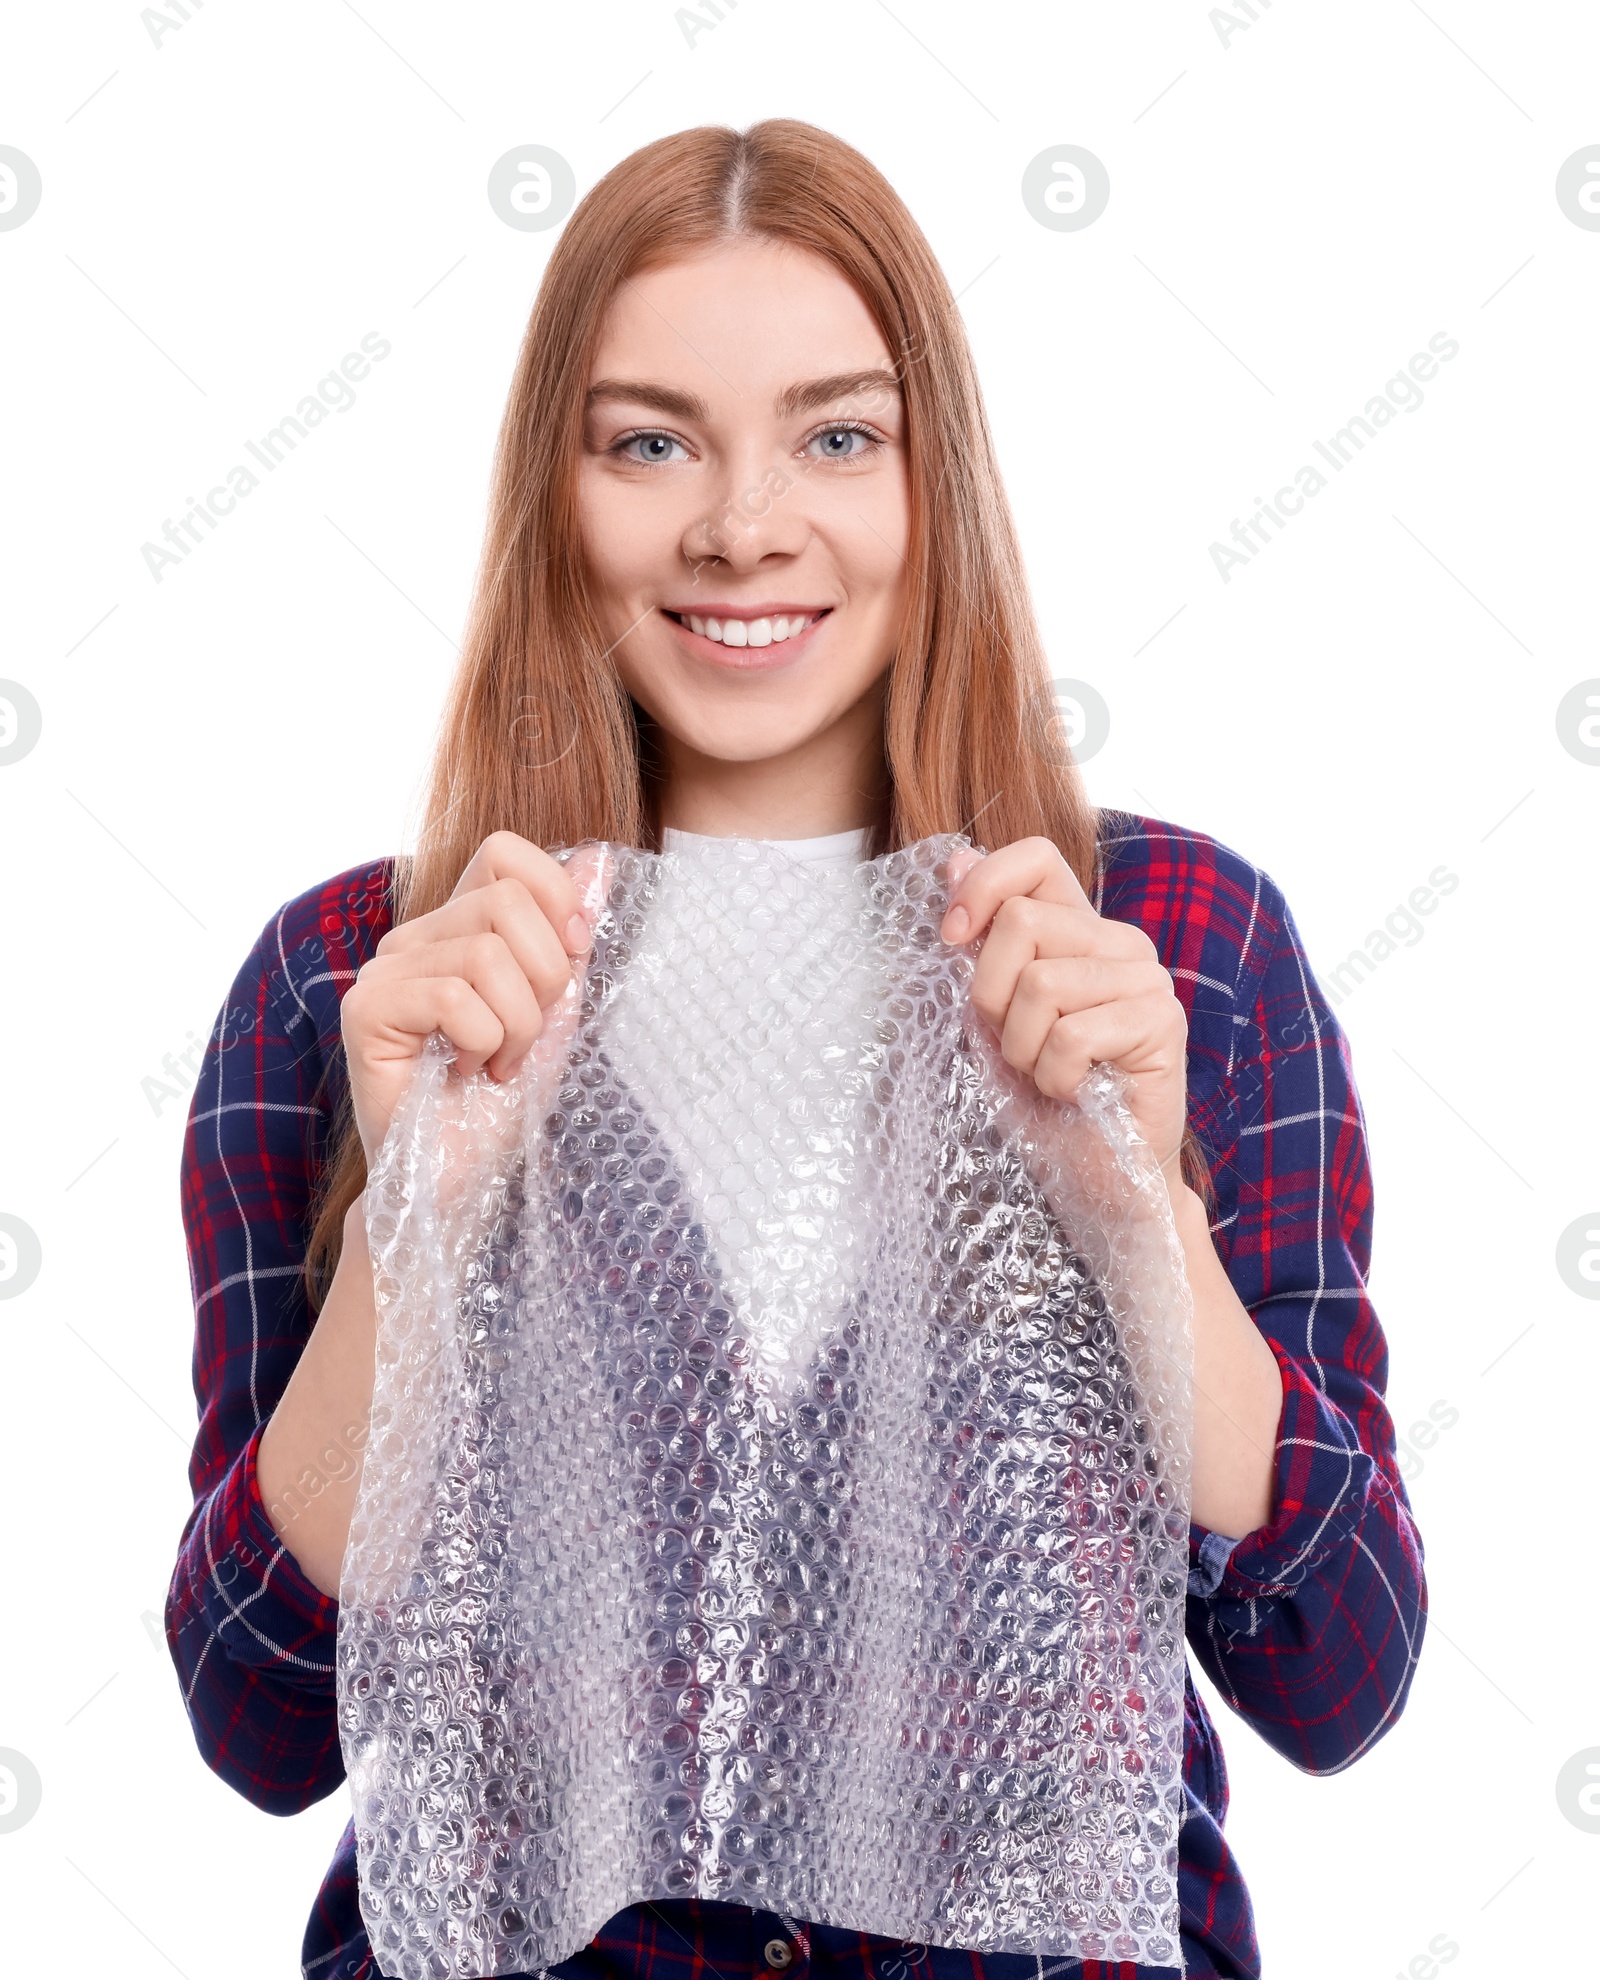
(776, 1213)
(833, 848)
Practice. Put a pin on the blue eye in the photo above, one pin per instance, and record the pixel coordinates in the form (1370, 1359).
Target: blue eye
(840, 443)
(653, 449)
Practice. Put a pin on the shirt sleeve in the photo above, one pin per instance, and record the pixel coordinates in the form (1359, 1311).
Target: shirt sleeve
(252, 1638)
(1310, 1627)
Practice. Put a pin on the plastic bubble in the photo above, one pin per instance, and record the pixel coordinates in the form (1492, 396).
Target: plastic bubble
(779, 1481)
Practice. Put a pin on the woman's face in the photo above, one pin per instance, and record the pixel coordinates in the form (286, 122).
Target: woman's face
(743, 505)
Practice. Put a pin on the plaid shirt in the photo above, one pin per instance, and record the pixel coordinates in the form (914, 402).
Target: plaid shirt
(1309, 1627)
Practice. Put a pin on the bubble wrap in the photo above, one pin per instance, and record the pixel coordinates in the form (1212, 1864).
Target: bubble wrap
(800, 1522)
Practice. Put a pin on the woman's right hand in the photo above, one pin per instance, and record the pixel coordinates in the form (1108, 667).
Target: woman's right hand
(485, 969)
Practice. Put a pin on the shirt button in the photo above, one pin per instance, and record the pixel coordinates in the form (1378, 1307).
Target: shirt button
(778, 1953)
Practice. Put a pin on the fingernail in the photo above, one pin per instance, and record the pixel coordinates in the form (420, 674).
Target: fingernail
(956, 924)
(577, 935)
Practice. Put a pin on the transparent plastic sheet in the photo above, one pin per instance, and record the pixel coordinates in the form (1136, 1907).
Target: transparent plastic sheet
(805, 1528)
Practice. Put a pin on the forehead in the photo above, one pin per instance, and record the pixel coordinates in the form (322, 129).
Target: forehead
(738, 322)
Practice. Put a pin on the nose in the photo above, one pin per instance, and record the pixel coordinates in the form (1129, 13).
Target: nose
(757, 514)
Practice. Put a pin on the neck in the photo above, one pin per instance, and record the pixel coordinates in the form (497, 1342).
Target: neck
(834, 783)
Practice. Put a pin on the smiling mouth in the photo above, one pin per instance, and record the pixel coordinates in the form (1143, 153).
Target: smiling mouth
(771, 629)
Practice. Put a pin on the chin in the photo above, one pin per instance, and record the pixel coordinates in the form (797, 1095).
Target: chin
(748, 741)
(753, 722)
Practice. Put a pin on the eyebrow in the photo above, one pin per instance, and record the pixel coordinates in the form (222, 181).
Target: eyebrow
(818, 392)
(661, 398)
(808, 396)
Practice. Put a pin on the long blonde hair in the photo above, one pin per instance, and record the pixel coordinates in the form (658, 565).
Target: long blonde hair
(539, 739)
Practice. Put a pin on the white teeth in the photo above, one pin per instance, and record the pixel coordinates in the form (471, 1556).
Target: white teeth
(749, 632)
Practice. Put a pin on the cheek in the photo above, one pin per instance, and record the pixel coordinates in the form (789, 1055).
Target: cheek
(870, 531)
(631, 536)
(879, 573)
(602, 534)
(626, 532)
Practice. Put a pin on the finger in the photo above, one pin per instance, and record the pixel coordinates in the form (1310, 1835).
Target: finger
(412, 1009)
(503, 908)
(482, 962)
(1023, 1006)
(1028, 866)
(1133, 1033)
(1025, 931)
(589, 874)
(506, 856)
(506, 950)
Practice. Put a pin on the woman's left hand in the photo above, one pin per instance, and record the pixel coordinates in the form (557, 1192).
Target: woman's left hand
(1063, 986)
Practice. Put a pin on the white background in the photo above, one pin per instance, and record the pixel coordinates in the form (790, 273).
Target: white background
(1296, 207)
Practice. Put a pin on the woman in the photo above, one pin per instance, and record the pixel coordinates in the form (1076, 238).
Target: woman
(750, 573)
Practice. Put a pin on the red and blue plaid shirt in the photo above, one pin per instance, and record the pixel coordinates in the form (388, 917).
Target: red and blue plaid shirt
(1309, 1627)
